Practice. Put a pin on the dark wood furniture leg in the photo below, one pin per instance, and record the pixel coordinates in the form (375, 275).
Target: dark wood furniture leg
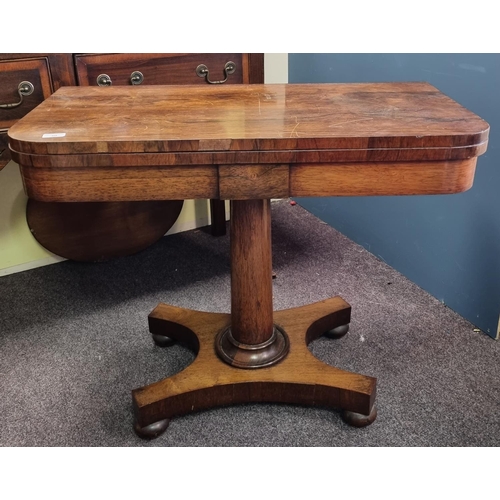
(252, 355)
(218, 217)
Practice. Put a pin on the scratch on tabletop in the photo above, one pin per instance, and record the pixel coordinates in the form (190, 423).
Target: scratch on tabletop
(294, 128)
(350, 121)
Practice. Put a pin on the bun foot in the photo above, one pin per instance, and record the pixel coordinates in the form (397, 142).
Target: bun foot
(153, 430)
(163, 340)
(358, 419)
(337, 333)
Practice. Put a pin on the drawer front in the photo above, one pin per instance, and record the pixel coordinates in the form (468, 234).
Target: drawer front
(158, 69)
(12, 73)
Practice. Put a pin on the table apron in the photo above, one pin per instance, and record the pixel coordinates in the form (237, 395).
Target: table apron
(242, 182)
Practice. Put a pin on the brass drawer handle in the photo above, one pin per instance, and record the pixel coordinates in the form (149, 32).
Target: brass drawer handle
(136, 78)
(104, 80)
(23, 89)
(229, 69)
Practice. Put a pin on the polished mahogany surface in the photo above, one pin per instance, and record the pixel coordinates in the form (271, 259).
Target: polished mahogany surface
(364, 116)
(247, 142)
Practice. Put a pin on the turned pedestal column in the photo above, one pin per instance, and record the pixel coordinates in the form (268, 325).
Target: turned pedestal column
(252, 340)
(246, 356)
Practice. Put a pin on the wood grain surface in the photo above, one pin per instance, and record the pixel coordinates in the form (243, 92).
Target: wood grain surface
(396, 116)
(247, 141)
(4, 149)
(158, 69)
(95, 232)
(251, 271)
(209, 382)
(242, 182)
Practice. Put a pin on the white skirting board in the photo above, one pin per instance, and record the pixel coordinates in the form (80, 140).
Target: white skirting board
(31, 265)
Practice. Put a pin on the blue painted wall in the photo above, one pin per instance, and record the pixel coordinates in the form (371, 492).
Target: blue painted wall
(448, 245)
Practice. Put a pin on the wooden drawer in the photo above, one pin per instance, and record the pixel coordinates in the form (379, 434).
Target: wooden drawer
(159, 69)
(12, 73)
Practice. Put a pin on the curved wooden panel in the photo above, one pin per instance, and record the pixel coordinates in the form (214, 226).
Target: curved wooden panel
(240, 182)
(209, 382)
(382, 179)
(112, 184)
(91, 161)
(95, 232)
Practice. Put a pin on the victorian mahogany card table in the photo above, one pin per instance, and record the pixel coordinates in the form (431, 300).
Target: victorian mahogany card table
(248, 144)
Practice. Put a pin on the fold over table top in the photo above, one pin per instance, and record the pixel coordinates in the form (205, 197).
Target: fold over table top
(99, 138)
(364, 116)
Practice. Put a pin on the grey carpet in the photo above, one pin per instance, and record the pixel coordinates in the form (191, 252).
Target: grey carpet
(74, 343)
